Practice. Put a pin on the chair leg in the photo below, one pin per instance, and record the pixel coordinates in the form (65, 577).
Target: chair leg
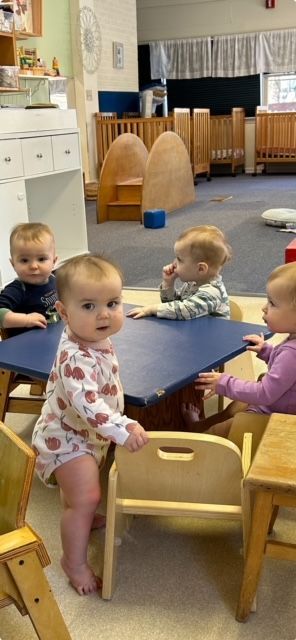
(37, 388)
(36, 593)
(110, 552)
(273, 518)
(246, 521)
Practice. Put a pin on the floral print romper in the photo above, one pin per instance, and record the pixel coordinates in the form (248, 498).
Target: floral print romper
(83, 409)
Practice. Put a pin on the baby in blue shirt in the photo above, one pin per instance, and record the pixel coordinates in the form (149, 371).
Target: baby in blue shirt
(28, 301)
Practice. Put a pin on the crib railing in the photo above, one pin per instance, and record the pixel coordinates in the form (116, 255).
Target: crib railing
(275, 137)
(148, 129)
(228, 139)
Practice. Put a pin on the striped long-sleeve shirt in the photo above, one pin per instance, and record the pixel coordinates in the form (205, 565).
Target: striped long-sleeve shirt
(193, 301)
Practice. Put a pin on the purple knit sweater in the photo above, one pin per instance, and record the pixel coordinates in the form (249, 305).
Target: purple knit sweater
(276, 392)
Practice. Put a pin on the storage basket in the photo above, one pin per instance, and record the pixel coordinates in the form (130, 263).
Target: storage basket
(9, 77)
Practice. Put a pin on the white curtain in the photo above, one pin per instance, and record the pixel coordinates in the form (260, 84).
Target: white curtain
(278, 51)
(236, 55)
(181, 59)
(243, 54)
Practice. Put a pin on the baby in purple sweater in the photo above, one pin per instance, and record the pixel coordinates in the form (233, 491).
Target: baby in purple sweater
(276, 391)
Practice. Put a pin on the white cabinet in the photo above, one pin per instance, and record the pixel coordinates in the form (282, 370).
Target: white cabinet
(41, 179)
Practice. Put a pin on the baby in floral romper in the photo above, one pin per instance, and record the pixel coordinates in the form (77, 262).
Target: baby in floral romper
(83, 410)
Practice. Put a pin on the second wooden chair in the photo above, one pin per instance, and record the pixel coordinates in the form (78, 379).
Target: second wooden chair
(175, 474)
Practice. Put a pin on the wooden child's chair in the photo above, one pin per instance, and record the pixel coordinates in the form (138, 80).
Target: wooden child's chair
(175, 474)
(22, 552)
(9, 381)
(241, 365)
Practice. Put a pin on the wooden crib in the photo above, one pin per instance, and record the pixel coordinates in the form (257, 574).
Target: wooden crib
(275, 137)
(182, 126)
(201, 152)
(228, 139)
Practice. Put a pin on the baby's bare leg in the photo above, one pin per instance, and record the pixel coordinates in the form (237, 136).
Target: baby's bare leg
(221, 428)
(78, 480)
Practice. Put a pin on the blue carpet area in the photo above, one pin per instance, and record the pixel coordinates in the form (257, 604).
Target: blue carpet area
(257, 248)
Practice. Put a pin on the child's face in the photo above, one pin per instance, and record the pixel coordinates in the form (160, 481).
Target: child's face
(93, 311)
(188, 269)
(34, 261)
(278, 313)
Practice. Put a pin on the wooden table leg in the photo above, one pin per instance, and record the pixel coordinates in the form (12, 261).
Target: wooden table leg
(6, 378)
(255, 552)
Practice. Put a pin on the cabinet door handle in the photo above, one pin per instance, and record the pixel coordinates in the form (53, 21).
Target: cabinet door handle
(7, 159)
(39, 155)
(68, 151)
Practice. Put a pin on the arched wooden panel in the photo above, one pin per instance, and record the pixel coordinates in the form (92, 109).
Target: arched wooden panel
(125, 160)
(168, 181)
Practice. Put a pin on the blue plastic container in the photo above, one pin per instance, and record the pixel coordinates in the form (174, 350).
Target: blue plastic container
(154, 218)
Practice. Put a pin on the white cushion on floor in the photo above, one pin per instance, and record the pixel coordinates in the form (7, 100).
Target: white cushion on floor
(279, 217)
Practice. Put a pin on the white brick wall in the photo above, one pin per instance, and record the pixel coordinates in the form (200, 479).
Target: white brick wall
(118, 23)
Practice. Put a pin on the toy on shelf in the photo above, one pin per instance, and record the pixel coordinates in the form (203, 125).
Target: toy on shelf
(56, 66)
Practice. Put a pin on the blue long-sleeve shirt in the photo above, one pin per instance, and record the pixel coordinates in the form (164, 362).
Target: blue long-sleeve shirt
(21, 297)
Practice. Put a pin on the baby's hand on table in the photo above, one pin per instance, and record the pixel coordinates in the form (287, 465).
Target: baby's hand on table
(36, 320)
(137, 438)
(258, 342)
(141, 312)
(208, 380)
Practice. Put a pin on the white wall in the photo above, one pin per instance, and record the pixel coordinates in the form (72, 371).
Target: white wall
(165, 19)
(117, 22)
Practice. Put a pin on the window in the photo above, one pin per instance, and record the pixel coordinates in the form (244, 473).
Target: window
(279, 91)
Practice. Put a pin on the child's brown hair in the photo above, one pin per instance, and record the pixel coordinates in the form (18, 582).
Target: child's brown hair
(207, 244)
(92, 266)
(287, 274)
(29, 232)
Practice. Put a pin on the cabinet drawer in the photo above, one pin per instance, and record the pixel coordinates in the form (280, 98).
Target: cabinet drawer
(11, 161)
(37, 155)
(66, 152)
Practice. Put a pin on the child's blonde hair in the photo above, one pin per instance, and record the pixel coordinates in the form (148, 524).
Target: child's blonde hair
(89, 265)
(29, 232)
(207, 244)
(287, 274)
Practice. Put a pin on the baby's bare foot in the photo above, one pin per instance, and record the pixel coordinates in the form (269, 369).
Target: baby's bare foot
(82, 578)
(190, 415)
(99, 521)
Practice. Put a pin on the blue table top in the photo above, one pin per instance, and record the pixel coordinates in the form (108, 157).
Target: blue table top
(156, 356)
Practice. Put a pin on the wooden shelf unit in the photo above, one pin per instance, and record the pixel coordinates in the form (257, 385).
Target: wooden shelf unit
(8, 55)
(7, 48)
(36, 20)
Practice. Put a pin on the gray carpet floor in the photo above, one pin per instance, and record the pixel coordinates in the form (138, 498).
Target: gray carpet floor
(257, 248)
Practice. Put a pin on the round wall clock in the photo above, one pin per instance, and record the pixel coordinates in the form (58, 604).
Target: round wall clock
(89, 34)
